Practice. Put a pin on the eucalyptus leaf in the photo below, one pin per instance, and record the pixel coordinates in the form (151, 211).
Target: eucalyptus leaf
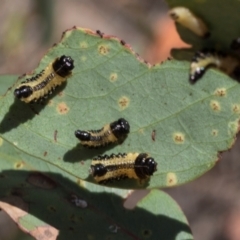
(192, 123)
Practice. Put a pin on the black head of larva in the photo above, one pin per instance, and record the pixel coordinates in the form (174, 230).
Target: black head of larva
(63, 66)
(83, 135)
(174, 16)
(120, 127)
(23, 91)
(98, 170)
(200, 70)
(197, 75)
(145, 166)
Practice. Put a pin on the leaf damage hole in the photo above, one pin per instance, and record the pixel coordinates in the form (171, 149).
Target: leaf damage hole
(178, 137)
(113, 77)
(215, 105)
(146, 233)
(214, 132)
(83, 45)
(19, 165)
(171, 179)
(221, 92)
(123, 102)
(62, 108)
(236, 108)
(1, 141)
(103, 49)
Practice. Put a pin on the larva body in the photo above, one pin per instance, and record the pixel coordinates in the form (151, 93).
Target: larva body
(115, 167)
(186, 18)
(205, 59)
(110, 133)
(41, 85)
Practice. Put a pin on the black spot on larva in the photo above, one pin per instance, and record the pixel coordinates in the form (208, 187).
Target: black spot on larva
(23, 91)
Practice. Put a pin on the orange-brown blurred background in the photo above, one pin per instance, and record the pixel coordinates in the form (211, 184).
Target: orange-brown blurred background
(29, 28)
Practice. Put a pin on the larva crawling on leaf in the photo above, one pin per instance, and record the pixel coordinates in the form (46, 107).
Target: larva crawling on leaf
(110, 133)
(40, 86)
(115, 167)
(186, 18)
(205, 59)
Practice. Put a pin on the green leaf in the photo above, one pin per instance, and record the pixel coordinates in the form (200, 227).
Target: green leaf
(220, 17)
(192, 123)
(48, 201)
(6, 82)
(174, 223)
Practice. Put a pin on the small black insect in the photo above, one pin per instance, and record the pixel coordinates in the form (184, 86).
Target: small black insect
(123, 42)
(100, 33)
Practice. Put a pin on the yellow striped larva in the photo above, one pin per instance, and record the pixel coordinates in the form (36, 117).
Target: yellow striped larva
(40, 86)
(186, 18)
(115, 167)
(205, 59)
(110, 133)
